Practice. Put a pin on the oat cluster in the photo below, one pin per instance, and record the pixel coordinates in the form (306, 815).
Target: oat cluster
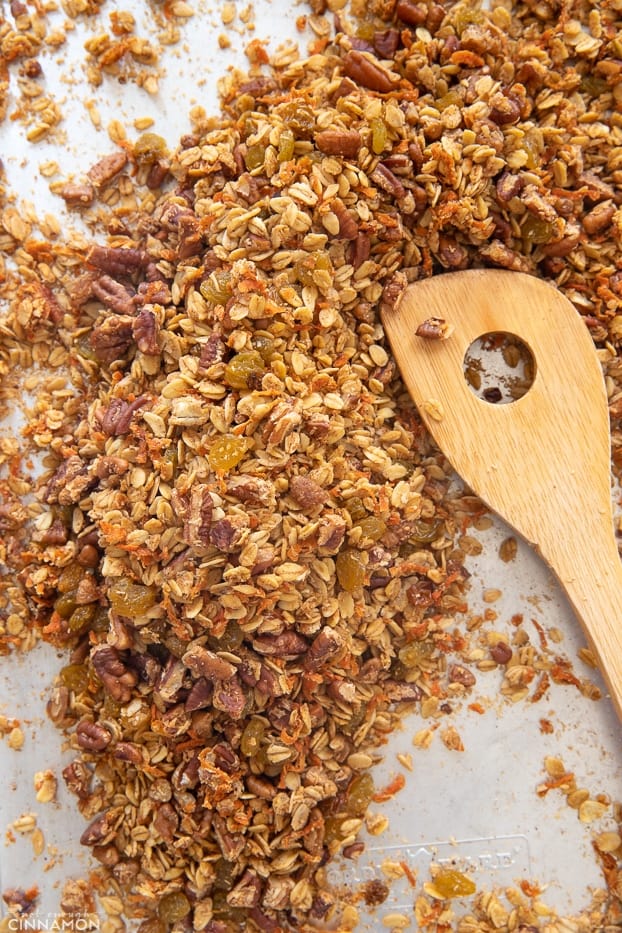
(244, 539)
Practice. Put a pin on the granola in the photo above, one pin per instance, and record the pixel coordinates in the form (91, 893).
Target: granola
(244, 541)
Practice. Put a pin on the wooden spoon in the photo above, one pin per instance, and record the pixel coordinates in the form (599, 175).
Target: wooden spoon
(542, 462)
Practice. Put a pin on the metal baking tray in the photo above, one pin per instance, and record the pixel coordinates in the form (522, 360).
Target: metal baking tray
(477, 809)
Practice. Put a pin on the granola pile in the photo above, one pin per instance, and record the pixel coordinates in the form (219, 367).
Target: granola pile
(244, 541)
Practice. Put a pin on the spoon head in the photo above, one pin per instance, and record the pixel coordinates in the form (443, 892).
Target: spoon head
(528, 460)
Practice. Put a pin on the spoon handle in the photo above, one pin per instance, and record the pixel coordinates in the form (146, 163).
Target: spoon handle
(590, 573)
(543, 462)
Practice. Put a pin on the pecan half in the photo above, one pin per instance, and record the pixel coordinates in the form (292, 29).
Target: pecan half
(365, 69)
(306, 492)
(205, 663)
(114, 674)
(101, 830)
(389, 182)
(105, 169)
(286, 645)
(113, 295)
(339, 142)
(92, 736)
(145, 331)
(111, 339)
(77, 194)
(117, 418)
(117, 261)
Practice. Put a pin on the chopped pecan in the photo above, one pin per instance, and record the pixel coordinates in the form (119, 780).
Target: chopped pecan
(306, 492)
(386, 42)
(166, 821)
(190, 236)
(92, 736)
(415, 14)
(389, 182)
(231, 844)
(325, 647)
(331, 532)
(19, 901)
(205, 663)
(365, 69)
(402, 693)
(102, 829)
(452, 254)
(77, 776)
(501, 255)
(114, 673)
(212, 351)
(348, 226)
(361, 249)
(284, 417)
(251, 489)
(198, 517)
(260, 787)
(509, 186)
(77, 194)
(58, 706)
(105, 169)
(117, 418)
(264, 559)
(537, 204)
(56, 534)
(115, 296)
(129, 751)
(112, 337)
(287, 645)
(339, 142)
(70, 469)
(117, 261)
(505, 110)
(599, 218)
(227, 533)
(229, 697)
(200, 695)
(106, 467)
(170, 680)
(247, 891)
(461, 675)
(145, 331)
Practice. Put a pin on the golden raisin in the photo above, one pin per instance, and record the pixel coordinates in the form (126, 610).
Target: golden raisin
(379, 135)
(350, 569)
(131, 599)
(217, 288)
(287, 144)
(66, 604)
(226, 452)
(81, 618)
(414, 654)
(255, 157)
(356, 508)
(372, 527)
(75, 677)
(360, 794)
(69, 578)
(252, 737)
(148, 148)
(245, 369)
(173, 907)
(426, 532)
(451, 883)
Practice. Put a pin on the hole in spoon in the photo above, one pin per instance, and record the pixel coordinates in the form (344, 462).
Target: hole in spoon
(499, 367)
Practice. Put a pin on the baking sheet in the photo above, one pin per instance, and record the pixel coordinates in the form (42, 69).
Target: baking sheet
(476, 809)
